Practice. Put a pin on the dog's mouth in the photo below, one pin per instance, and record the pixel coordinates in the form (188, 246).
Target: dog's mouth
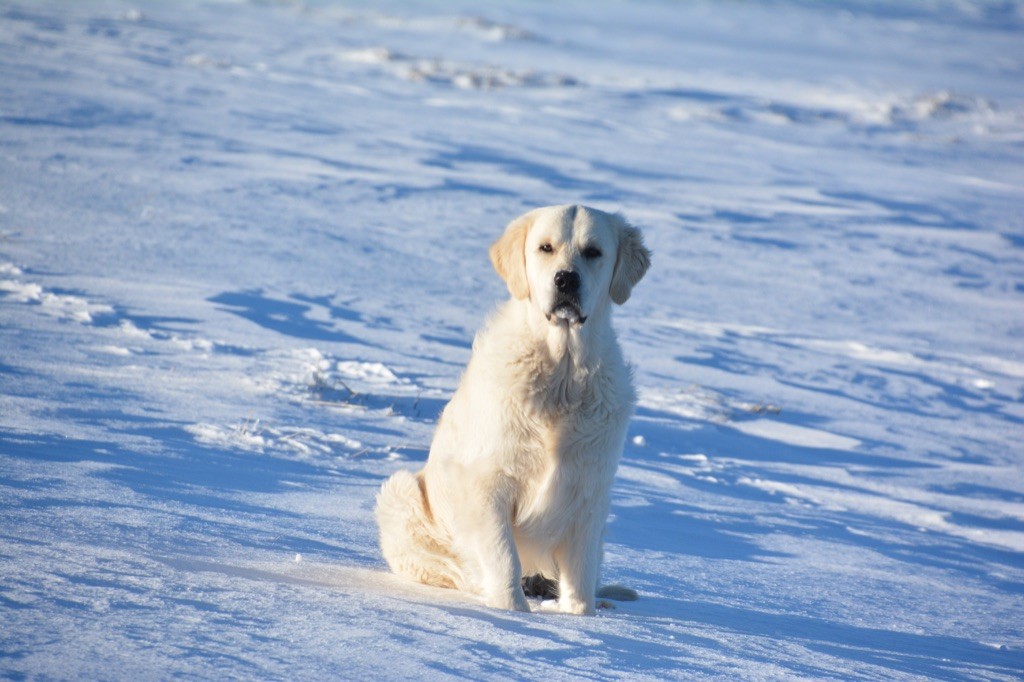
(567, 310)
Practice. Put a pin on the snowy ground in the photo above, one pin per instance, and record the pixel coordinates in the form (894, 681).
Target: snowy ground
(243, 256)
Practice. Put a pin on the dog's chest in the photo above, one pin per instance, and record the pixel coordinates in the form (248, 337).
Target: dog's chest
(573, 425)
(571, 463)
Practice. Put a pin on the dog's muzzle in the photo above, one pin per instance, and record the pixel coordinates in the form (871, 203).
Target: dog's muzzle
(568, 309)
(567, 303)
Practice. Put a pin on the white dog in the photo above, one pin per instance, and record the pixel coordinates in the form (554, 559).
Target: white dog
(520, 469)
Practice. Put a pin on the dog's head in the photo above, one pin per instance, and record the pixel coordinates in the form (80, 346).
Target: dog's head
(568, 260)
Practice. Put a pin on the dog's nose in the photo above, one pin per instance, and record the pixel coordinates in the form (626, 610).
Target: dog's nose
(567, 282)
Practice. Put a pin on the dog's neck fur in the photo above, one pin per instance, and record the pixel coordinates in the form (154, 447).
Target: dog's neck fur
(559, 363)
(567, 355)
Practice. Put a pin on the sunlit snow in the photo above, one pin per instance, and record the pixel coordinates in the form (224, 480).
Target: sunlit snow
(243, 254)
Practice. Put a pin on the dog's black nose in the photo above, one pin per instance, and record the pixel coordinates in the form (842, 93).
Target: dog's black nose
(567, 282)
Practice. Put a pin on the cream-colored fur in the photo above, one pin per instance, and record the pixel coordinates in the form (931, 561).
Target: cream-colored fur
(518, 478)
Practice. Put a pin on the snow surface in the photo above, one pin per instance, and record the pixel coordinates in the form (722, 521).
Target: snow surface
(243, 256)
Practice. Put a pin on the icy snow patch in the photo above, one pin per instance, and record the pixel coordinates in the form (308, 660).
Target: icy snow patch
(791, 434)
(701, 404)
(253, 436)
(457, 74)
(65, 306)
(370, 372)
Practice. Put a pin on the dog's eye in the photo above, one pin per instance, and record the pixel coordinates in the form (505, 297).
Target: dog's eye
(591, 252)
(546, 248)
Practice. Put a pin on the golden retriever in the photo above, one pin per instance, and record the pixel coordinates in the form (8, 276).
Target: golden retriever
(518, 478)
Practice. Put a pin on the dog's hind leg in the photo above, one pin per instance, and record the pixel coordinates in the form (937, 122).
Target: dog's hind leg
(407, 537)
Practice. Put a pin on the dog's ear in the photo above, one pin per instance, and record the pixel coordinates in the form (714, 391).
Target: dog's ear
(631, 262)
(508, 255)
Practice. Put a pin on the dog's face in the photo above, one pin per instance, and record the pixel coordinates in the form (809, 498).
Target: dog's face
(568, 260)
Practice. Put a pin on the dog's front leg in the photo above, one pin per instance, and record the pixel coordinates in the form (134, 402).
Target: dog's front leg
(486, 531)
(579, 565)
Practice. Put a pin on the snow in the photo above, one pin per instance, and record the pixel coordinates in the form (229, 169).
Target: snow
(243, 255)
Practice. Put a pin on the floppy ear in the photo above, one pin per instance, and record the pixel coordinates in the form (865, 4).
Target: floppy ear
(508, 255)
(631, 262)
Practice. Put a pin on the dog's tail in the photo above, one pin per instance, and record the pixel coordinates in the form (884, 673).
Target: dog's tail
(617, 593)
(408, 535)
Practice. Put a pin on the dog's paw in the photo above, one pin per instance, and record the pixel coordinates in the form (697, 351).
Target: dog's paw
(509, 602)
(578, 607)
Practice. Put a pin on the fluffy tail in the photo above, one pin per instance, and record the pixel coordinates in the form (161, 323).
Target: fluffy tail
(617, 593)
(408, 536)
